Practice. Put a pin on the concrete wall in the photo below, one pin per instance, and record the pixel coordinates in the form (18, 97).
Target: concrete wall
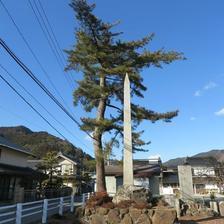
(111, 184)
(13, 157)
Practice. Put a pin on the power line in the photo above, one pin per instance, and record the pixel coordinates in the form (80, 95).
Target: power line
(18, 116)
(43, 107)
(48, 37)
(53, 34)
(30, 105)
(32, 52)
(45, 31)
(51, 29)
(39, 83)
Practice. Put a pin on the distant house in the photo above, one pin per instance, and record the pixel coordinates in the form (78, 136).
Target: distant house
(15, 173)
(66, 165)
(146, 174)
(68, 170)
(203, 176)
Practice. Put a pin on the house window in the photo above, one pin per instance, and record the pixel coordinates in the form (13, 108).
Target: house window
(7, 187)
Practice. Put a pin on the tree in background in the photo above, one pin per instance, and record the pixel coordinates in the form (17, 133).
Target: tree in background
(219, 175)
(104, 60)
(49, 165)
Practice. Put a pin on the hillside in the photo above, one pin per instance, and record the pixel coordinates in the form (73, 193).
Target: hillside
(216, 153)
(41, 142)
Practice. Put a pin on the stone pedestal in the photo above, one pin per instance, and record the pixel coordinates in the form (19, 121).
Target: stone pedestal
(137, 194)
(129, 216)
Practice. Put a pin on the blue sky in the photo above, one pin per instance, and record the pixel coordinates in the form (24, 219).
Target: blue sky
(193, 86)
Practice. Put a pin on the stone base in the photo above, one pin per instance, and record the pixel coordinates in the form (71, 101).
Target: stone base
(132, 193)
(131, 205)
(130, 215)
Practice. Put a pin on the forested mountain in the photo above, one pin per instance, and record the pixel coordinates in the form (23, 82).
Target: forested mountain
(215, 153)
(39, 143)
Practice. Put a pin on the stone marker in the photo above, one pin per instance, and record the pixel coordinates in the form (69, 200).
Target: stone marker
(221, 208)
(185, 180)
(128, 179)
(214, 206)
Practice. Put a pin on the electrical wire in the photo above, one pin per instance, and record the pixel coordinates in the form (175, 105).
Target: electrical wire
(48, 37)
(19, 117)
(32, 52)
(41, 105)
(53, 34)
(32, 107)
(40, 84)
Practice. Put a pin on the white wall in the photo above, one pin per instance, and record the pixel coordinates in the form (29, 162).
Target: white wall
(143, 182)
(13, 157)
(166, 190)
(66, 167)
(202, 171)
(211, 187)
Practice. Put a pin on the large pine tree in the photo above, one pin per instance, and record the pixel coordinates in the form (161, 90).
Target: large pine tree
(104, 60)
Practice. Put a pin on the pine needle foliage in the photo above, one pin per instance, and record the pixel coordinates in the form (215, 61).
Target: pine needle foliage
(104, 59)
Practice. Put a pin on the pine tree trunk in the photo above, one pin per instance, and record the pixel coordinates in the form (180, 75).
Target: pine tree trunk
(98, 149)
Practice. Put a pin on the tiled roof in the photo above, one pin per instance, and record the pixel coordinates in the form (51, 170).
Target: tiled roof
(6, 143)
(65, 156)
(20, 171)
(138, 171)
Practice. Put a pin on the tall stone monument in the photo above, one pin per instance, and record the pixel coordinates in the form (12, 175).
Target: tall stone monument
(128, 179)
(128, 191)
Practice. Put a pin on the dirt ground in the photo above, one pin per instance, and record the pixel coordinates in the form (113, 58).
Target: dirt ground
(66, 219)
(70, 219)
(202, 220)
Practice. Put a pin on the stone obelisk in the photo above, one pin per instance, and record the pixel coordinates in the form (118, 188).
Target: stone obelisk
(128, 156)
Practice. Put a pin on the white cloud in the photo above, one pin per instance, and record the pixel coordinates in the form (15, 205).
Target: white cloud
(198, 93)
(208, 86)
(192, 118)
(88, 138)
(220, 112)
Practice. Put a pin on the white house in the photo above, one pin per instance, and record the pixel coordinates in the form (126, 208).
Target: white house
(146, 174)
(203, 176)
(66, 165)
(15, 173)
(67, 170)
